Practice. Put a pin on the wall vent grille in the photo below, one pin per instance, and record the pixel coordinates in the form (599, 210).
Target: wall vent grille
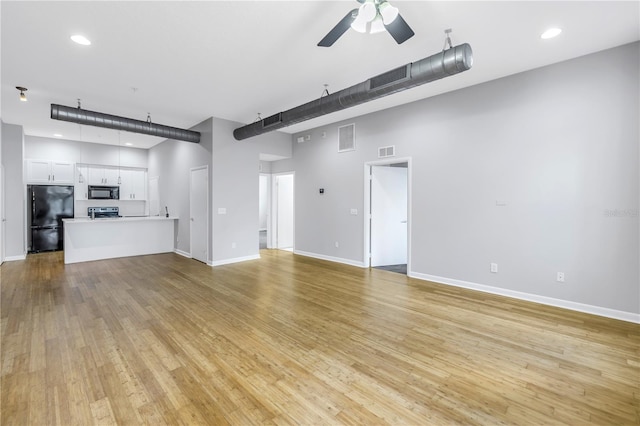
(387, 151)
(393, 76)
(272, 120)
(347, 138)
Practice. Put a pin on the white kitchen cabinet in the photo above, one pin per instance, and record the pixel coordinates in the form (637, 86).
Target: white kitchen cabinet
(134, 185)
(80, 183)
(98, 175)
(50, 172)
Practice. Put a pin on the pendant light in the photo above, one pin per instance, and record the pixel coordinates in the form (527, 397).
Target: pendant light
(23, 96)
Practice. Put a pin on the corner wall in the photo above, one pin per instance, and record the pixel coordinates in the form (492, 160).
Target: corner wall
(537, 172)
(233, 184)
(171, 162)
(236, 166)
(15, 227)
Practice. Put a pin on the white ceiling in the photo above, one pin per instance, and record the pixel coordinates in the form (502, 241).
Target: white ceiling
(190, 60)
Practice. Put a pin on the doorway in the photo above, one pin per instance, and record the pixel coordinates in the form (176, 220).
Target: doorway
(199, 213)
(387, 200)
(284, 211)
(264, 205)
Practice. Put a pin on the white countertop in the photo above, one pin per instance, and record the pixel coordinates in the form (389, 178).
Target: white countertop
(117, 219)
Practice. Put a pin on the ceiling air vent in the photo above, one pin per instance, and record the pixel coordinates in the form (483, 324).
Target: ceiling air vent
(272, 120)
(393, 76)
(347, 138)
(387, 151)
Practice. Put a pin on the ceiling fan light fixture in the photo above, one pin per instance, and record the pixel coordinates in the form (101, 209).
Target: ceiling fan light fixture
(359, 24)
(389, 13)
(368, 11)
(377, 26)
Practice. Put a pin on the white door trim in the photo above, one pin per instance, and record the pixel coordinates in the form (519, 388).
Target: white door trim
(269, 209)
(191, 170)
(367, 207)
(274, 211)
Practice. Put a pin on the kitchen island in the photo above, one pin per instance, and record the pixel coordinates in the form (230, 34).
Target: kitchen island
(87, 239)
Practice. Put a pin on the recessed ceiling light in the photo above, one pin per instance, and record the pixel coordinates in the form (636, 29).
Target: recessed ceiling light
(80, 39)
(57, 135)
(550, 33)
(128, 144)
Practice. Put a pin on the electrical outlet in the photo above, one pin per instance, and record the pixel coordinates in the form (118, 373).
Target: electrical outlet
(560, 277)
(337, 244)
(494, 268)
(233, 245)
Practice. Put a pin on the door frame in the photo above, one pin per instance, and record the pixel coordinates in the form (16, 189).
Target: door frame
(269, 209)
(366, 217)
(274, 210)
(191, 170)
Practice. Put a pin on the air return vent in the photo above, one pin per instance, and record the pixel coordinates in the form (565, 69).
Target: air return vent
(347, 138)
(387, 151)
(272, 120)
(389, 77)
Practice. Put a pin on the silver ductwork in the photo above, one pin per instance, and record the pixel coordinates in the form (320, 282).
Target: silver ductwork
(443, 64)
(98, 119)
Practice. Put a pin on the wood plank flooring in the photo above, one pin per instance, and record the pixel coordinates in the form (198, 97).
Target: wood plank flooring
(291, 340)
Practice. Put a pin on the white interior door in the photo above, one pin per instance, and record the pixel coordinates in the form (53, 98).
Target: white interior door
(389, 189)
(284, 211)
(199, 208)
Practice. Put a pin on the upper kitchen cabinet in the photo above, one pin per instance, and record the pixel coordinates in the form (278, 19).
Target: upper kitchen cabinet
(50, 172)
(134, 185)
(100, 175)
(81, 192)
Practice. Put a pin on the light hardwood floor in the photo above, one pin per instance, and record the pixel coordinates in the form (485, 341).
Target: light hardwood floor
(292, 340)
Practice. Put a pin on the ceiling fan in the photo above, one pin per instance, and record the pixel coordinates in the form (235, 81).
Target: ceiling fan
(374, 16)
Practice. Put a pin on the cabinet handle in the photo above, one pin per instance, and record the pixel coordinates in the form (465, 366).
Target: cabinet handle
(49, 177)
(53, 178)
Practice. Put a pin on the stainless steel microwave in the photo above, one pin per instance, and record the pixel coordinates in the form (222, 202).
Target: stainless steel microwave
(103, 192)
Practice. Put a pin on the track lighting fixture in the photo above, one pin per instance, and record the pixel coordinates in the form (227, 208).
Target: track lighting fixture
(23, 97)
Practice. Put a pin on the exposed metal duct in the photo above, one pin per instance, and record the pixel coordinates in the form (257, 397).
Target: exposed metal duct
(443, 64)
(98, 119)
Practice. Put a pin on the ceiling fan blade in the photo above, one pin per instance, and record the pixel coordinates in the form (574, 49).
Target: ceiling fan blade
(339, 29)
(400, 30)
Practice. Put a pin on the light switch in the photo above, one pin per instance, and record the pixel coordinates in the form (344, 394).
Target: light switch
(222, 210)
(354, 212)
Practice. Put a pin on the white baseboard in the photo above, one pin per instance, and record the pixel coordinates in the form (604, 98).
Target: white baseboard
(233, 260)
(182, 253)
(14, 258)
(331, 258)
(559, 303)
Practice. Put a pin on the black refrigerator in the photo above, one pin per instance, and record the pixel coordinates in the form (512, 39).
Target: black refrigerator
(49, 205)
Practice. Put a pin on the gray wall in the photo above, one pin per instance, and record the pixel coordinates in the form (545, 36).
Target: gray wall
(171, 161)
(2, 183)
(235, 188)
(558, 145)
(83, 152)
(15, 190)
(233, 173)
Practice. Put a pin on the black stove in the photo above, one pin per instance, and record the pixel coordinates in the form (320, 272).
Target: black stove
(103, 212)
